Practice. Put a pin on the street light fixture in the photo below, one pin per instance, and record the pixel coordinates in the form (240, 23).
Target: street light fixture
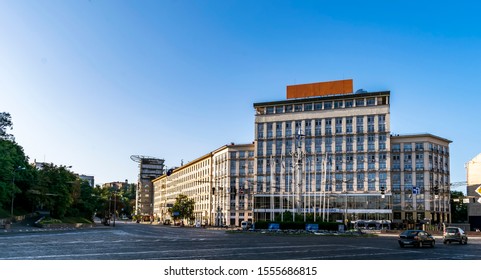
(13, 187)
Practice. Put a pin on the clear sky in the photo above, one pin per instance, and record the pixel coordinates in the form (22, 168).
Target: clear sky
(89, 83)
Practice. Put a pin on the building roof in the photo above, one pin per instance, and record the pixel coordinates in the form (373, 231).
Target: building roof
(401, 136)
(321, 98)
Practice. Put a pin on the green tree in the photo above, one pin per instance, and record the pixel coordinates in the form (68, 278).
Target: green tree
(57, 183)
(13, 175)
(459, 210)
(183, 207)
(5, 123)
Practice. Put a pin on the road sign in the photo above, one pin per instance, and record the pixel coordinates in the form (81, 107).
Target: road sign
(416, 190)
(478, 190)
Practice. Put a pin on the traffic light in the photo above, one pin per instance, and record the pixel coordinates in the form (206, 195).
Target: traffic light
(436, 190)
(383, 190)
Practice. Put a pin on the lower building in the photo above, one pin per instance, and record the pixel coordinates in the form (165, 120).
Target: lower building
(420, 180)
(218, 182)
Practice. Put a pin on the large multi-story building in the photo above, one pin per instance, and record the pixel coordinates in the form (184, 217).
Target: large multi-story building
(420, 181)
(324, 151)
(218, 182)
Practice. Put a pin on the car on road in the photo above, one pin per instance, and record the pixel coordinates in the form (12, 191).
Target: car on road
(416, 238)
(246, 225)
(455, 234)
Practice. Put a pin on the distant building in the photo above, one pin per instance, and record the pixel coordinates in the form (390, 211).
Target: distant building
(149, 169)
(116, 185)
(89, 178)
(473, 171)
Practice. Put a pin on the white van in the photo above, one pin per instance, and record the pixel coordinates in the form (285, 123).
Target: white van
(245, 225)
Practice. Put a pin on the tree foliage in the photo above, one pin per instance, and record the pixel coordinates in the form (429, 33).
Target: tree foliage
(183, 207)
(459, 209)
(5, 123)
(52, 187)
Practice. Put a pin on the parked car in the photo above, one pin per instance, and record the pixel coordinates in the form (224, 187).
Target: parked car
(416, 238)
(246, 225)
(455, 234)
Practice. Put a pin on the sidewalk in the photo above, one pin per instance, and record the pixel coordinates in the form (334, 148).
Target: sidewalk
(27, 226)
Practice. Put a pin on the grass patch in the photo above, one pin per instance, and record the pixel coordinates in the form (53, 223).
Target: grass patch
(66, 220)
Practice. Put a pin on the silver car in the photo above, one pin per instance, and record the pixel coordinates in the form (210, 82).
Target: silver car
(455, 234)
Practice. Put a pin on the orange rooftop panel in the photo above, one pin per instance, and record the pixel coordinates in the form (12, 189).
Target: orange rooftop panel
(320, 89)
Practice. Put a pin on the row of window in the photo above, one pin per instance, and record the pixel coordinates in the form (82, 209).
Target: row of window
(317, 127)
(408, 147)
(323, 105)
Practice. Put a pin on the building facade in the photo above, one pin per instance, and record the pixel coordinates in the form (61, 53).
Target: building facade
(327, 155)
(149, 169)
(420, 179)
(324, 153)
(217, 182)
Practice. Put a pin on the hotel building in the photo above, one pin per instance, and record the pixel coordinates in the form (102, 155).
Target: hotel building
(324, 151)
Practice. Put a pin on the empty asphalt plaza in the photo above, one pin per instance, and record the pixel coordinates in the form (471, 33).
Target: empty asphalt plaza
(131, 241)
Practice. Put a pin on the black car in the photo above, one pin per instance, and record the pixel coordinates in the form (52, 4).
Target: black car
(416, 238)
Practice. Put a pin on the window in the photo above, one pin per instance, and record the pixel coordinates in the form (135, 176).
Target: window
(318, 126)
(359, 124)
(371, 101)
(349, 103)
(288, 109)
(338, 125)
(360, 102)
(269, 130)
(339, 141)
(318, 106)
(419, 146)
(288, 129)
(308, 107)
(327, 105)
(260, 148)
(396, 148)
(318, 144)
(278, 147)
(308, 128)
(408, 147)
(278, 129)
(270, 110)
(338, 104)
(370, 123)
(328, 128)
(382, 123)
(349, 125)
(298, 108)
(260, 130)
(279, 109)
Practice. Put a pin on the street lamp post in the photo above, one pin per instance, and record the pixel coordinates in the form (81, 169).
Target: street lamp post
(13, 188)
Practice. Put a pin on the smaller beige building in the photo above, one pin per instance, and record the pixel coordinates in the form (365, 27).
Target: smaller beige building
(420, 179)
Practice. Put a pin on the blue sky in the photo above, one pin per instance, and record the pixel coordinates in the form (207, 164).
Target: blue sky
(89, 83)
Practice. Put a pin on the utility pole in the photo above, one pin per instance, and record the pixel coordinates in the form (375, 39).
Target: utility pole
(298, 157)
